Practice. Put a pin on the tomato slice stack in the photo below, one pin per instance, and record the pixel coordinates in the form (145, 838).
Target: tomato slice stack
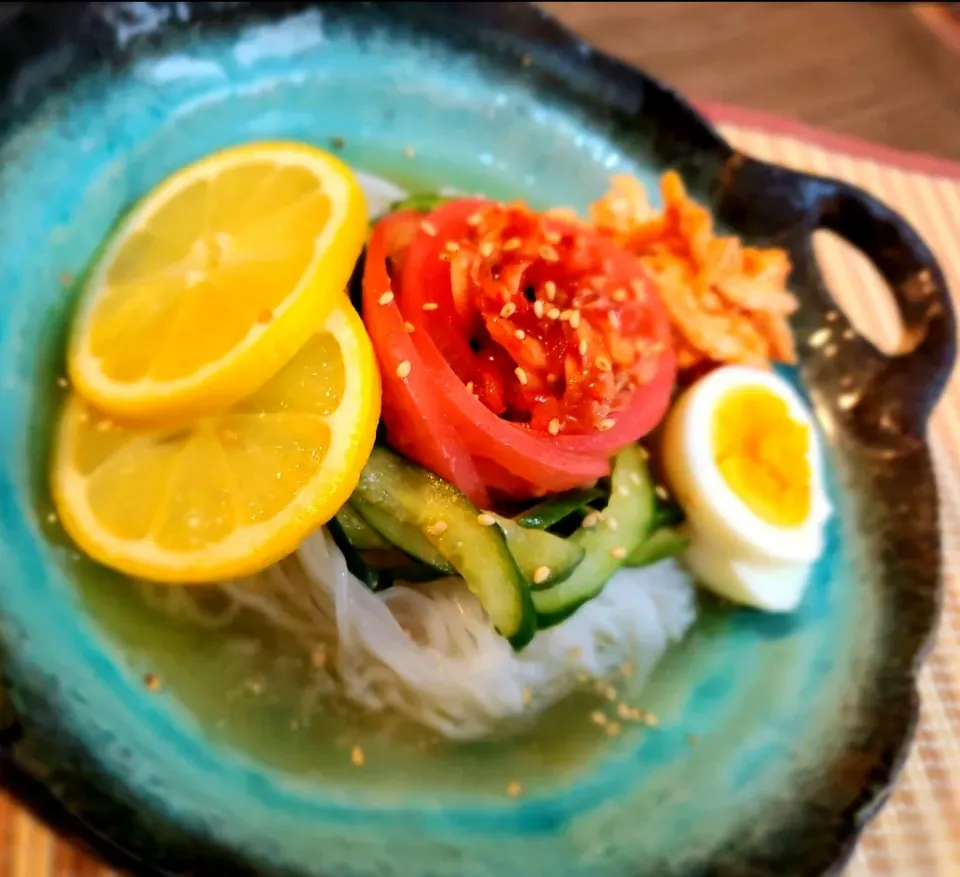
(519, 352)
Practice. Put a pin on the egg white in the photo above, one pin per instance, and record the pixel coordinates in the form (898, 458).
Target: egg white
(771, 586)
(716, 515)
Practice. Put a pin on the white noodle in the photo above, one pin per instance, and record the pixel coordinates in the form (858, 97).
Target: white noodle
(429, 651)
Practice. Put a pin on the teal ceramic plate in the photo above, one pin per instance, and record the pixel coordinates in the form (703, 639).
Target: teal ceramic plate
(779, 737)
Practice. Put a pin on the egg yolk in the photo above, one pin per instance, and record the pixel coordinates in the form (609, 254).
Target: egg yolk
(761, 451)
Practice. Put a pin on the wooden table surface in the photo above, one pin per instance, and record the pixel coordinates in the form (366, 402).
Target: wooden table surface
(873, 70)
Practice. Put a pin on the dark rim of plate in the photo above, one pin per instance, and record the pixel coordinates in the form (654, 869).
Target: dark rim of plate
(762, 201)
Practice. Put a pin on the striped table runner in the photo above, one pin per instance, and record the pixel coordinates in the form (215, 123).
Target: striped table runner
(918, 833)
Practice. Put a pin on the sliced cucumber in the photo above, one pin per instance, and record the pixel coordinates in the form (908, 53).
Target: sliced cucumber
(374, 579)
(400, 534)
(358, 532)
(659, 545)
(400, 566)
(624, 525)
(448, 521)
(544, 559)
(552, 511)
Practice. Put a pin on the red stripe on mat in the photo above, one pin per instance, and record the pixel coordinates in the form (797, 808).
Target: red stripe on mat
(724, 114)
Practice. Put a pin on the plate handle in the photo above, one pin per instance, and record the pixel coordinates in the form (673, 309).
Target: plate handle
(903, 388)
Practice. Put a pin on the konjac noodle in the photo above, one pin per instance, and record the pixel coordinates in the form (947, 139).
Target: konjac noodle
(429, 651)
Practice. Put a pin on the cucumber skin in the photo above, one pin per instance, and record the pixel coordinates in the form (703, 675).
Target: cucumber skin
(661, 544)
(634, 514)
(522, 542)
(386, 482)
(399, 535)
(552, 511)
(357, 531)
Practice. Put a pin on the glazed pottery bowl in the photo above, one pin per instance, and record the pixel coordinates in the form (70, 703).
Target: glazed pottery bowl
(779, 737)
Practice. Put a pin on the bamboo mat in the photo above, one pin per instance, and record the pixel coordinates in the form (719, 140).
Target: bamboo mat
(918, 833)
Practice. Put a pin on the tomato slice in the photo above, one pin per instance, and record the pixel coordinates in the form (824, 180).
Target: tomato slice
(415, 423)
(555, 328)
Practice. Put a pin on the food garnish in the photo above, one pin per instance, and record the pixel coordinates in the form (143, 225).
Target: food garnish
(215, 279)
(229, 493)
(728, 303)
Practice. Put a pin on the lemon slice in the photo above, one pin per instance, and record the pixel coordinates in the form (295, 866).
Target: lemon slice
(216, 279)
(227, 495)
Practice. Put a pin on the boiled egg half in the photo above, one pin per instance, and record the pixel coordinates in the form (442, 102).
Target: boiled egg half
(743, 459)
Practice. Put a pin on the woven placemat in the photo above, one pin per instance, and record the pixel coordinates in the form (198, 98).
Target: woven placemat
(918, 833)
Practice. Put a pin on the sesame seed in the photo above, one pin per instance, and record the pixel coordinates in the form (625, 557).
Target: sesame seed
(430, 306)
(521, 375)
(469, 386)
(574, 319)
(619, 295)
(485, 520)
(598, 718)
(619, 552)
(385, 299)
(548, 253)
(508, 310)
(565, 314)
(582, 347)
(623, 490)
(403, 370)
(428, 228)
(357, 756)
(661, 491)
(627, 668)
(437, 529)
(552, 379)
(554, 313)
(651, 720)
(553, 427)
(552, 237)
(486, 249)
(603, 364)
(614, 319)
(608, 423)
(613, 729)
(475, 219)
(541, 574)
(104, 426)
(512, 244)
(409, 152)
(520, 334)
(514, 789)
(550, 289)
(639, 289)
(62, 382)
(636, 479)
(52, 518)
(591, 520)
(409, 327)
(612, 524)
(319, 657)
(527, 695)
(624, 711)
(452, 247)
(152, 682)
